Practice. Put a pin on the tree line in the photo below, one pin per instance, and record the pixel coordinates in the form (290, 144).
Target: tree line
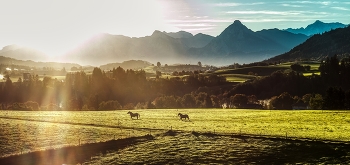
(285, 88)
(129, 89)
(106, 90)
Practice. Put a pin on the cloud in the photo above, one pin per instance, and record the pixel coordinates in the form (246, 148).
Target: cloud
(290, 5)
(281, 13)
(341, 8)
(197, 29)
(200, 21)
(265, 12)
(195, 25)
(238, 4)
(313, 2)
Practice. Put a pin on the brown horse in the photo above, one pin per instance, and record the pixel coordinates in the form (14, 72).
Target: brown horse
(183, 116)
(134, 115)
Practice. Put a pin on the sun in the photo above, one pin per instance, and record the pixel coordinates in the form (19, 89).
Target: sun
(56, 28)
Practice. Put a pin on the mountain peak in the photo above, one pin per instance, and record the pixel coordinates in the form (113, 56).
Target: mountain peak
(235, 28)
(318, 22)
(156, 32)
(179, 34)
(237, 22)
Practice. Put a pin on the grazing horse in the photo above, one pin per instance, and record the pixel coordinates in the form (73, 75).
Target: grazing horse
(183, 116)
(134, 115)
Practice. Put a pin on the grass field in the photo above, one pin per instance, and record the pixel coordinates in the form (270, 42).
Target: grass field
(27, 131)
(260, 70)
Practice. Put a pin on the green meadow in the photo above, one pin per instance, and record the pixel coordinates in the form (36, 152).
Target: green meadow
(25, 131)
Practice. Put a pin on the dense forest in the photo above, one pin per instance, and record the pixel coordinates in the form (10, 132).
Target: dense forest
(129, 89)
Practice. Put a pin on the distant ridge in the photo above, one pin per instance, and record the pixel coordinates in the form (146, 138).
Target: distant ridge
(319, 46)
(56, 65)
(132, 64)
(318, 27)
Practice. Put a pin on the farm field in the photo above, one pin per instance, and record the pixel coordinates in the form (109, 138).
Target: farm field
(193, 148)
(260, 70)
(28, 131)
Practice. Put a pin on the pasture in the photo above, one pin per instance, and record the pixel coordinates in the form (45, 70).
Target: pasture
(27, 131)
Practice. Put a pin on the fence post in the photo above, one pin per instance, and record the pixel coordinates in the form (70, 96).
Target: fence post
(286, 135)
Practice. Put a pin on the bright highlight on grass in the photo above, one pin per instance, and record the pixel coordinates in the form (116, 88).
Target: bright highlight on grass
(66, 128)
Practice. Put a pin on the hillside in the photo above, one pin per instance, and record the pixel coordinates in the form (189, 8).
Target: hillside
(56, 65)
(132, 64)
(107, 48)
(23, 53)
(286, 39)
(319, 46)
(197, 41)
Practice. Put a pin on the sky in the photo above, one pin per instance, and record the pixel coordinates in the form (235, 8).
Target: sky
(57, 26)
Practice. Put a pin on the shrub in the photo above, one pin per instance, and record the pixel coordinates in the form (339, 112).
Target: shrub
(32, 105)
(109, 105)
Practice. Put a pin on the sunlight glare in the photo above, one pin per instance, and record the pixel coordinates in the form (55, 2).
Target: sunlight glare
(58, 27)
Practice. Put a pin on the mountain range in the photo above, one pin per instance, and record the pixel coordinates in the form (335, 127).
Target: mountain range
(236, 44)
(318, 27)
(239, 44)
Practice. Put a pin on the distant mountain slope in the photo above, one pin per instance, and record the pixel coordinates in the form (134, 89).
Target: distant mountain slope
(56, 65)
(132, 64)
(23, 53)
(107, 48)
(318, 27)
(180, 34)
(286, 39)
(197, 41)
(319, 46)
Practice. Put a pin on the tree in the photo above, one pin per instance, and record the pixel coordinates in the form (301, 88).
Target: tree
(347, 100)
(316, 102)
(158, 64)
(188, 101)
(334, 98)
(158, 74)
(307, 97)
(283, 101)
(297, 67)
(199, 64)
(109, 105)
(239, 100)
(74, 68)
